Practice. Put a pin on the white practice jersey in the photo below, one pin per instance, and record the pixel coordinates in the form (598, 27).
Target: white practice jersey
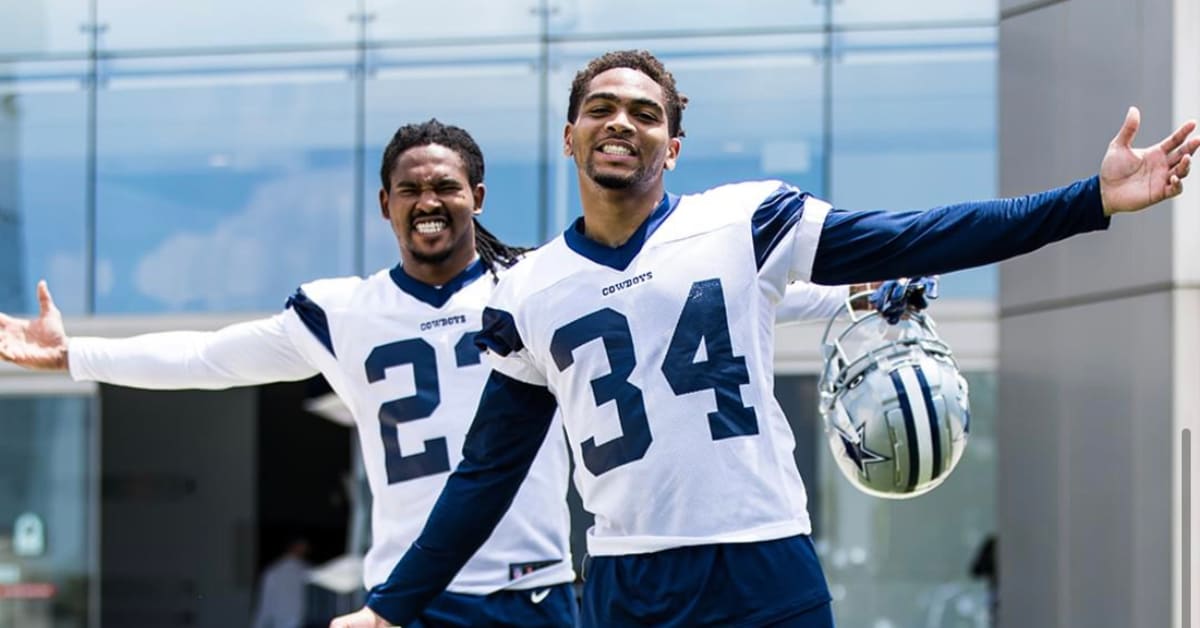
(401, 356)
(660, 355)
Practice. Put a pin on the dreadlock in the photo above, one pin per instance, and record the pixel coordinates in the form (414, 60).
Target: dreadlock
(494, 254)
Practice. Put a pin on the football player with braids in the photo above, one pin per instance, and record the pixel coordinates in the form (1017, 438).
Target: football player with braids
(363, 335)
(665, 387)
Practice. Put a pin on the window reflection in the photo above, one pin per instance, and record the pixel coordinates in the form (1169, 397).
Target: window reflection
(43, 26)
(914, 126)
(222, 186)
(407, 20)
(136, 25)
(882, 13)
(634, 16)
(43, 118)
(45, 512)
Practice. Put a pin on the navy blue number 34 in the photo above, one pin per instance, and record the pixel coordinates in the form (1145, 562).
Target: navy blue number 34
(703, 320)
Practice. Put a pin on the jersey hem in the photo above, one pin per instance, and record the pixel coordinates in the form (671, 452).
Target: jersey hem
(535, 580)
(625, 545)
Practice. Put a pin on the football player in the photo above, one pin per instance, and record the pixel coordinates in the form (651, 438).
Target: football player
(398, 349)
(666, 386)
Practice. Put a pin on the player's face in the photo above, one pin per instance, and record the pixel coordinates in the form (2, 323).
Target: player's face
(431, 205)
(620, 138)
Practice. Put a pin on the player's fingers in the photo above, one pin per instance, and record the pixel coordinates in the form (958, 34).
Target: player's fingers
(1184, 166)
(1129, 128)
(1174, 187)
(45, 301)
(1179, 137)
(1189, 147)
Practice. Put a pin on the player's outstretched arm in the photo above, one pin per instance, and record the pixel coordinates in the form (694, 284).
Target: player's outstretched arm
(253, 352)
(40, 343)
(362, 618)
(512, 421)
(1135, 178)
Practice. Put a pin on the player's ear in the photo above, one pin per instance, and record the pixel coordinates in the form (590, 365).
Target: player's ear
(567, 147)
(479, 192)
(673, 148)
(383, 204)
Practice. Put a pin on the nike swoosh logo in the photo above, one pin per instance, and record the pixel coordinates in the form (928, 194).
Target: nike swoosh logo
(537, 596)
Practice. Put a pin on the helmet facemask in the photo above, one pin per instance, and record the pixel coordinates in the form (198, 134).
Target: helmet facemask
(895, 407)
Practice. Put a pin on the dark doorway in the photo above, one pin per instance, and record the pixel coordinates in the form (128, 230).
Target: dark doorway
(202, 489)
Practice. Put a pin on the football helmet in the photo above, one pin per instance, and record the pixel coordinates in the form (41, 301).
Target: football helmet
(894, 404)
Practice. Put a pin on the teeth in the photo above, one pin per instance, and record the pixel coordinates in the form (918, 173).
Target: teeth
(615, 149)
(430, 227)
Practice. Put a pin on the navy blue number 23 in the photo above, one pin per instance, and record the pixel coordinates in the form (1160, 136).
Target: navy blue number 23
(423, 358)
(703, 321)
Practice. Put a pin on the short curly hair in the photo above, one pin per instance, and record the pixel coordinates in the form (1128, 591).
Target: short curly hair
(642, 61)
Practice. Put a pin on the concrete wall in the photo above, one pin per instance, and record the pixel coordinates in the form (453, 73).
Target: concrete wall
(1092, 364)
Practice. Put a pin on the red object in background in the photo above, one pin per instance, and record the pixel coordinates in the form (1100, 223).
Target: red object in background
(28, 591)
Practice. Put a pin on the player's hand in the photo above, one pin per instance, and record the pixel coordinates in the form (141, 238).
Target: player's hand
(896, 297)
(362, 618)
(1135, 178)
(36, 344)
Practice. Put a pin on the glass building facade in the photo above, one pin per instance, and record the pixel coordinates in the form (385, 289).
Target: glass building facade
(180, 158)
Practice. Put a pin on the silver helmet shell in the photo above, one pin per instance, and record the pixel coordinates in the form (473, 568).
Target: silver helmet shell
(895, 407)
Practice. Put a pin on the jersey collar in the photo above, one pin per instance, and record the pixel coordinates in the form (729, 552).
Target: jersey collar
(618, 258)
(434, 295)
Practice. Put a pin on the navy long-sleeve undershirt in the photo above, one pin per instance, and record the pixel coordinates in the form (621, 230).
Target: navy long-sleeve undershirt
(861, 246)
(505, 437)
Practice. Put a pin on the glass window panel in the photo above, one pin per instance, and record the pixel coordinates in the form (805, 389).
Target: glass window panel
(888, 12)
(43, 175)
(914, 126)
(754, 112)
(46, 511)
(408, 20)
(492, 92)
(223, 182)
(908, 562)
(625, 17)
(41, 26)
(134, 24)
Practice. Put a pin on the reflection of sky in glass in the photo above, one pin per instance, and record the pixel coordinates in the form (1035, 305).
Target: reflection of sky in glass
(884, 12)
(236, 171)
(914, 126)
(45, 465)
(216, 193)
(43, 117)
(39, 26)
(634, 16)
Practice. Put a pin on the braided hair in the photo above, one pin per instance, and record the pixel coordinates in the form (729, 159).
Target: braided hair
(494, 254)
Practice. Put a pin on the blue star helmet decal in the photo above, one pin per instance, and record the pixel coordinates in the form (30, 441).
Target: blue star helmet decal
(860, 453)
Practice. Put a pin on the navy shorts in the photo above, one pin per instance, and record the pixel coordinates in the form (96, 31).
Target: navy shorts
(549, 607)
(767, 583)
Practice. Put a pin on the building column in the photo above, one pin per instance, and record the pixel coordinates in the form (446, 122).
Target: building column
(1098, 358)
